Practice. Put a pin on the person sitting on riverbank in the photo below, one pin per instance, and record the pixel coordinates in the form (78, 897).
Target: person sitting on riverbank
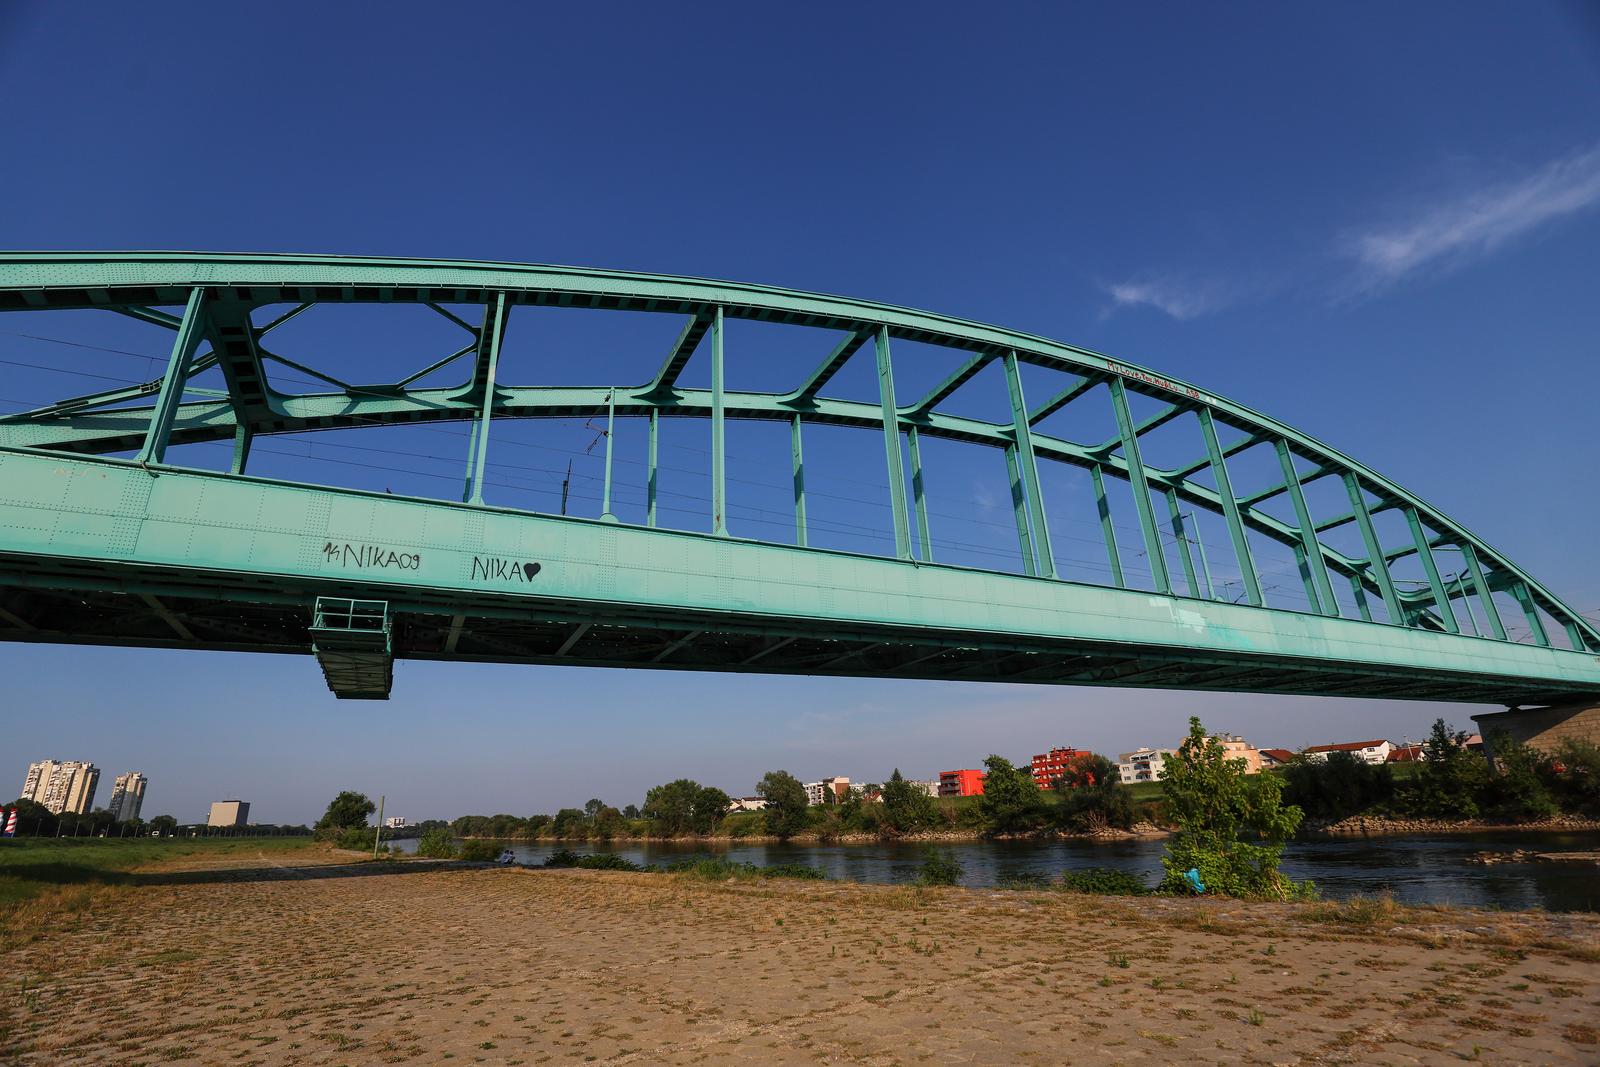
(506, 858)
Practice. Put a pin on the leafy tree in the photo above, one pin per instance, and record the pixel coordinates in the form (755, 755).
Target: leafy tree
(1520, 787)
(631, 811)
(349, 809)
(592, 808)
(1216, 806)
(1449, 778)
(569, 823)
(607, 823)
(1578, 781)
(685, 807)
(1340, 786)
(1010, 803)
(906, 808)
(786, 803)
(1091, 796)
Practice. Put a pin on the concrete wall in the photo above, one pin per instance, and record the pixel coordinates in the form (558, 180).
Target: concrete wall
(1545, 728)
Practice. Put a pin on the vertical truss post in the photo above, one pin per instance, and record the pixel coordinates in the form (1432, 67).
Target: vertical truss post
(1230, 507)
(654, 449)
(1141, 487)
(918, 501)
(1019, 506)
(1183, 541)
(1030, 468)
(1441, 596)
(891, 447)
(798, 460)
(1107, 527)
(606, 514)
(1315, 561)
(241, 448)
(1359, 592)
(494, 323)
(1375, 560)
(1575, 636)
(1490, 611)
(1303, 565)
(175, 379)
(1536, 624)
(719, 465)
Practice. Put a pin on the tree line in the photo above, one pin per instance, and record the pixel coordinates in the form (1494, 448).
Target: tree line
(1516, 783)
(1089, 797)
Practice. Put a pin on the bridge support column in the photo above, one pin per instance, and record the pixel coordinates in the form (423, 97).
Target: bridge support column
(798, 460)
(719, 463)
(1544, 728)
(891, 447)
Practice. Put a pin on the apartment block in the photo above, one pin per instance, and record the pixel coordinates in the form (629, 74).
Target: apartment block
(63, 786)
(1049, 766)
(828, 791)
(127, 796)
(1143, 764)
(963, 783)
(231, 813)
(1367, 751)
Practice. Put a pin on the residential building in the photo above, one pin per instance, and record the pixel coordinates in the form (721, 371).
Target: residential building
(746, 804)
(395, 822)
(1055, 764)
(827, 791)
(230, 813)
(1275, 757)
(963, 783)
(127, 796)
(1143, 764)
(62, 786)
(1368, 751)
(927, 785)
(1238, 748)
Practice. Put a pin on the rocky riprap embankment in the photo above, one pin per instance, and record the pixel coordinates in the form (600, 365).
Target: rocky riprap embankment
(1385, 824)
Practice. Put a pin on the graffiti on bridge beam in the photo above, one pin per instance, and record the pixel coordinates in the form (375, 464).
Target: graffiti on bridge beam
(493, 568)
(370, 557)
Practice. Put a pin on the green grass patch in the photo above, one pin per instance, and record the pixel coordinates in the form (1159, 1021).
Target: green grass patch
(30, 866)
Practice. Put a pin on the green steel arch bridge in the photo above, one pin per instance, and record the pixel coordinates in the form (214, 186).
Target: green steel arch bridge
(104, 541)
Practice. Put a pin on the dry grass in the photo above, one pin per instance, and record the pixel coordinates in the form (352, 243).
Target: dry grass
(511, 966)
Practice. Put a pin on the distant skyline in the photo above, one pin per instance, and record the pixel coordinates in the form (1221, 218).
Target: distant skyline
(1377, 224)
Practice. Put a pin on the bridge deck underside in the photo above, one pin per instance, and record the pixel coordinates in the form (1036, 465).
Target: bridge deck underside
(85, 604)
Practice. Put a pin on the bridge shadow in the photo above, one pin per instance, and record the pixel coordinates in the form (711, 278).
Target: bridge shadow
(65, 874)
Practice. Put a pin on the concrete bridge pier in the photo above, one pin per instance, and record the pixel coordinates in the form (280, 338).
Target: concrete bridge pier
(1544, 728)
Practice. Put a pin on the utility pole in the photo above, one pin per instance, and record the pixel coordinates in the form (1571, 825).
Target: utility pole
(377, 834)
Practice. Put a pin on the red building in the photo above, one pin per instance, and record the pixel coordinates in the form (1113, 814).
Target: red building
(1056, 763)
(961, 783)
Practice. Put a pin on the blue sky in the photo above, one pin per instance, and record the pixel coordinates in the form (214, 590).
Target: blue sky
(1375, 223)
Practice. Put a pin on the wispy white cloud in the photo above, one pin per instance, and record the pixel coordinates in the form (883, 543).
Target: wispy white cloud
(1473, 224)
(1180, 298)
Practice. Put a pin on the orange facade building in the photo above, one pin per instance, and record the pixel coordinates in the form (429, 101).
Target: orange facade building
(968, 783)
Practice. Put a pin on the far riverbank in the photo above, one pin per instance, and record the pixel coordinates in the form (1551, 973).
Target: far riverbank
(1424, 869)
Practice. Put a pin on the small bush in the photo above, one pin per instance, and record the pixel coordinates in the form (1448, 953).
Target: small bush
(1104, 881)
(794, 870)
(940, 867)
(436, 844)
(479, 851)
(600, 861)
(356, 838)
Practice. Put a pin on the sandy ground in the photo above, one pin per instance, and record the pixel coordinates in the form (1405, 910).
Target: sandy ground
(303, 965)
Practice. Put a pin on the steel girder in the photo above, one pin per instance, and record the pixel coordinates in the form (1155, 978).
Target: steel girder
(223, 295)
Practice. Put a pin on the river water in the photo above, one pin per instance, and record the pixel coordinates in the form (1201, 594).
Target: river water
(1416, 870)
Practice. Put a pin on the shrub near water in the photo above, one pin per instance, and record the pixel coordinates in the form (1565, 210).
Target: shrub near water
(1105, 881)
(437, 845)
(478, 851)
(940, 867)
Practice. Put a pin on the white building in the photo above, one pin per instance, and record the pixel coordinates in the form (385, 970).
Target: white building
(818, 792)
(127, 796)
(746, 804)
(63, 786)
(1144, 764)
(929, 786)
(1367, 751)
(395, 822)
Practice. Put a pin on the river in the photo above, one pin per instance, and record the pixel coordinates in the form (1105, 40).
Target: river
(1415, 869)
